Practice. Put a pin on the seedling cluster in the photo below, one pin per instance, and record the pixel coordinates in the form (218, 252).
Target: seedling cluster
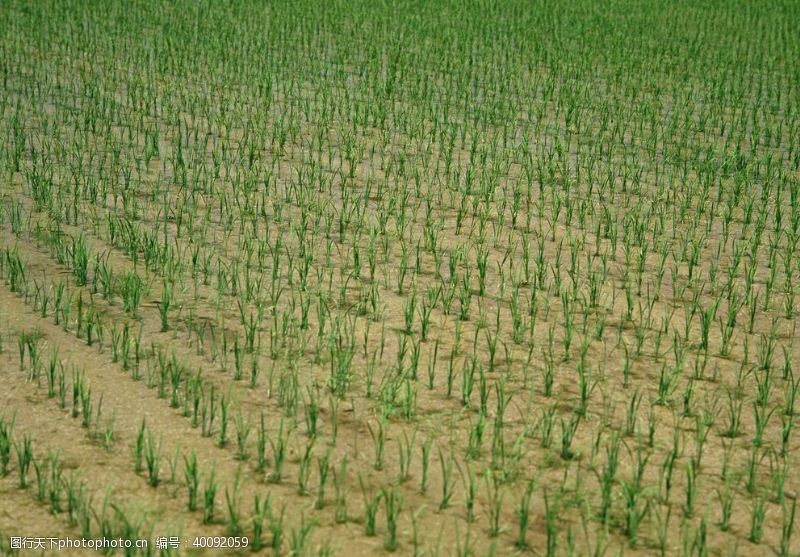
(441, 278)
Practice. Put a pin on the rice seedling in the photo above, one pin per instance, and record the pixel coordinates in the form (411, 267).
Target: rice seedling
(495, 495)
(447, 484)
(305, 468)
(726, 499)
(243, 429)
(276, 530)
(757, 516)
(787, 527)
(209, 497)
(24, 453)
(567, 435)
(191, 475)
(234, 526)
(394, 505)
(279, 455)
(551, 529)
(6, 444)
(370, 508)
(131, 288)
(340, 502)
(152, 458)
(40, 469)
(261, 509)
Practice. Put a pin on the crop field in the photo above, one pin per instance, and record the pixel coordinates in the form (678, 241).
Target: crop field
(439, 278)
